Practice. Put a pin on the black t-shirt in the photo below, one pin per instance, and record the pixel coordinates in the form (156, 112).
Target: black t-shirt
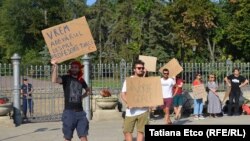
(236, 82)
(26, 89)
(72, 88)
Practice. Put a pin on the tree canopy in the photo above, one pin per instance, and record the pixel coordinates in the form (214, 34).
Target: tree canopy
(191, 31)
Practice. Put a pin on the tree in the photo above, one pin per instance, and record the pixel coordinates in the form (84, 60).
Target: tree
(100, 17)
(155, 31)
(193, 23)
(238, 29)
(22, 21)
(197, 31)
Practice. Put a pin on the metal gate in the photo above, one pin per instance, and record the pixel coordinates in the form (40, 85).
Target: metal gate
(47, 99)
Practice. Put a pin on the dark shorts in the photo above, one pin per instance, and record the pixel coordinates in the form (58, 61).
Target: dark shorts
(178, 100)
(74, 120)
(167, 102)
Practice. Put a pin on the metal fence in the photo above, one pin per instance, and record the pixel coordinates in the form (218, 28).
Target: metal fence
(113, 75)
(48, 97)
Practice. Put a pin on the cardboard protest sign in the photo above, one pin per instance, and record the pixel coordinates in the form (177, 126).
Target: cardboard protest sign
(150, 62)
(69, 40)
(173, 66)
(144, 91)
(199, 92)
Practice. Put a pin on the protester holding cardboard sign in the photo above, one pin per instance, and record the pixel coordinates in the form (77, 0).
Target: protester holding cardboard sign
(134, 116)
(167, 91)
(198, 104)
(74, 117)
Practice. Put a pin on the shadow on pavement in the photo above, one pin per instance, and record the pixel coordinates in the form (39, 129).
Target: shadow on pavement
(181, 122)
(37, 130)
(55, 129)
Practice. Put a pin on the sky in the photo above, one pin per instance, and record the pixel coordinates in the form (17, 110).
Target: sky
(90, 2)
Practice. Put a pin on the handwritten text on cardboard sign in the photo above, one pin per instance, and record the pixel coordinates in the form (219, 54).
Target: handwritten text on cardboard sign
(69, 40)
(199, 91)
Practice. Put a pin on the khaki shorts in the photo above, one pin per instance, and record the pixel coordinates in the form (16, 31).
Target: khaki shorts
(140, 121)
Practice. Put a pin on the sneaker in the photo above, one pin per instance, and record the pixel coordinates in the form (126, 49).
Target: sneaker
(196, 118)
(201, 117)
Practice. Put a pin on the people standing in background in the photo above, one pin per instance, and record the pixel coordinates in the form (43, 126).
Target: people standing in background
(178, 97)
(198, 103)
(167, 90)
(235, 81)
(214, 103)
(26, 92)
(138, 117)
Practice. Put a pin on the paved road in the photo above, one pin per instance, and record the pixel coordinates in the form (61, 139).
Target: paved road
(99, 131)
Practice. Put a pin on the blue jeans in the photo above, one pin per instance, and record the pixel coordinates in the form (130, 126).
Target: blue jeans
(74, 120)
(198, 106)
(27, 103)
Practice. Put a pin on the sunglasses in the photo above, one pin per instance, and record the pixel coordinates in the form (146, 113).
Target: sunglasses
(212, 77)
(140, 68)
(166, 73)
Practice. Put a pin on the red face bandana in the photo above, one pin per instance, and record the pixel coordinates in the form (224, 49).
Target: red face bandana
(80, 74)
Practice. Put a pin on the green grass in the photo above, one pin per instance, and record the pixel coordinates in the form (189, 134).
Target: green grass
(106, 83)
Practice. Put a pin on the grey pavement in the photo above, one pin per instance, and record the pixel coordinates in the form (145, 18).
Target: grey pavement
(99, 131)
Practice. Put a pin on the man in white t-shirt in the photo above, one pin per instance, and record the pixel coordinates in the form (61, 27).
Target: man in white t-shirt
(167, 91)
(135, 116)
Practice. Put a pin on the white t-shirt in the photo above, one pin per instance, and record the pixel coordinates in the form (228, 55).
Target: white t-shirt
(167, 87)
(133, 111)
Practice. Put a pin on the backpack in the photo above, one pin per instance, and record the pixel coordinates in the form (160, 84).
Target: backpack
(246, 109)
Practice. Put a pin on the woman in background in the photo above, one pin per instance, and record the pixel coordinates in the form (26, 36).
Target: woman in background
(214, 104)
(177, 97)
(198, 104)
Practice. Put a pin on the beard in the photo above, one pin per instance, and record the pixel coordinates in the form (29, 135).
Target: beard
(74, 73)
(140, 74)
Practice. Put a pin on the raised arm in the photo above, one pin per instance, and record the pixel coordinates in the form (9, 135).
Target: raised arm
(145, 72)
(55, 78)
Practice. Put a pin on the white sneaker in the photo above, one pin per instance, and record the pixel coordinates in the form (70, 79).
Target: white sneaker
(201, 117)
(196, 118)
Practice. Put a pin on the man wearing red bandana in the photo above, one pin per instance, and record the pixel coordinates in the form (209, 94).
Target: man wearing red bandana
(74, 117)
